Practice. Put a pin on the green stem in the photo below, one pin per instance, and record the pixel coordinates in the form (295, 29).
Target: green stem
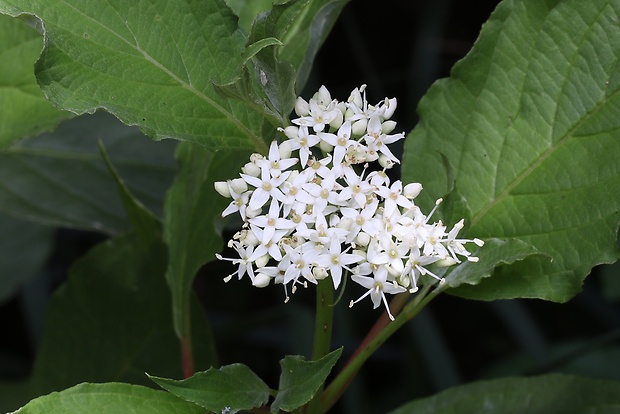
(187, 356)
(322, 333)
(381, 331)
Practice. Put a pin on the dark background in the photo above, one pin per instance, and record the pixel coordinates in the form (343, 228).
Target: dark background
(397, 48)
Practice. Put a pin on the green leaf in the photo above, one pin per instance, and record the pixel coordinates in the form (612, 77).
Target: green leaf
(144, 223)
(528, 124)
(494, 253)
(306, 35)
(113, 314)
(107, 399)
(192, 207)
(536, 395)
(148, 63)
(60, 178)
(267, 83)
(247, 10)
(234, 386)
(301, 379)
(25, 110)
(24, 248)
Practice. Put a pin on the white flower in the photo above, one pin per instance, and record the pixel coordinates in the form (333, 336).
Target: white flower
(377, 287)
(334, 260)
(307, 219)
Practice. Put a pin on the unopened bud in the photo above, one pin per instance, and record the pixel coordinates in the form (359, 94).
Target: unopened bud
(362, 239)
(447, 262)
(385, 162)
(251, 169)
(325, 147)
(301, 107)
(222, 188)
(285, 149)
(388, 126)
(359, 127)
(238, 185)
(261, 280)
(262, 261)
(412, 190)
(319, 273)
(345, 223)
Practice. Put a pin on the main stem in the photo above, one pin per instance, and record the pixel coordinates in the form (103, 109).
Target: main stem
(382, 330)
(322, 333)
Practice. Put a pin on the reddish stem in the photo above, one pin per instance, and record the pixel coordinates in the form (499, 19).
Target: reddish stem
(187, 357)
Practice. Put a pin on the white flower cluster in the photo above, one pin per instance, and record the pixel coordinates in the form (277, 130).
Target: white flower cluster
(313, 208)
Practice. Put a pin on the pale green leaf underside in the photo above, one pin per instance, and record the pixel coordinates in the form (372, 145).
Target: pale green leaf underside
(109, 398)
(537, 395)
(25, 110)
(529, 123)
(150, 63)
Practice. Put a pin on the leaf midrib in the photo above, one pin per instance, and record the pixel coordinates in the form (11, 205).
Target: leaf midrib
(554, 147)
(256, 141)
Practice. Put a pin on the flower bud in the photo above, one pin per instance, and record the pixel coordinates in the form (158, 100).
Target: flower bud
(359, 127)
(238, 185)
(222, 188)
(301, 107)
(285, 149)
(325, 147)
(388, 126)
(412, 190)
(256, 157)
(338, 119)
(291, 131)
(262, 261)
(385, 162)
(251, 213)
(447, 262)
(251, 169)
(345, 223)
(261, 280)
(362, 239)
(324, 98)
(319, 273)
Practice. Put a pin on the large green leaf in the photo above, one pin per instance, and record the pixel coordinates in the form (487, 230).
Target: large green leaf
(528, 127)
(537, 395)
(108, 399)
(150, 63)
(24, 247)
(300, 380)
(234, 386)
(192, 210)
(25, 110)
(60, 178)
(113, 315)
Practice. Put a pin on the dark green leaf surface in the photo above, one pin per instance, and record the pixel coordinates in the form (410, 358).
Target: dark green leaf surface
(494, 253)
(234, 386)
(192, 211)
(25, 110)
(150, 63)
(24, 247)
(60, 178)
(301, 379)
(529, 125)
(111, 321)
(536, 395)
(108, 399)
